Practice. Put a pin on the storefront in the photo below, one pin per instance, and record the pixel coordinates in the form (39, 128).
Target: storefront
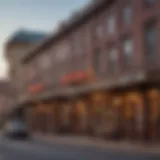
(113, 114)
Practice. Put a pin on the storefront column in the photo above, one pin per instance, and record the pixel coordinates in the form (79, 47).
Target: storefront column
(146, 120)
(65, 111)
(35, 118)
(40, 118)
(48, 117)
(118, 107)
(54, 106)
(29, 117)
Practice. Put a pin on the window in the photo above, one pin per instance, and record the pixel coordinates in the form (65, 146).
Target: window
(77, 43)
(99, 30)
(112, 59)
(78, 46)
(62, 52)
(127, 52)
(31, 72)
(150, 2)
(151, 40)
(111, 22)
(127, 14)
(61, 56)
(97, 61)
(45, 61)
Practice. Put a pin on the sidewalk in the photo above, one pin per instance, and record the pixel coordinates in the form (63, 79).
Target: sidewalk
(80, 141)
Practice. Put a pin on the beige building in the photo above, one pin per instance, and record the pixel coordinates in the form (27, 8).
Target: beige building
(6, 99)
(19, 43)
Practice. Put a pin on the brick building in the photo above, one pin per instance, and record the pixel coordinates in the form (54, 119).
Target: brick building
(98, 74)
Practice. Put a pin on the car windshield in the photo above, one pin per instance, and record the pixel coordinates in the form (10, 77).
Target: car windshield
(19, 125)
(15, 125)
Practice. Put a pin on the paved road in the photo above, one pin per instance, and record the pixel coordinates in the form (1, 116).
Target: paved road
(32, 150)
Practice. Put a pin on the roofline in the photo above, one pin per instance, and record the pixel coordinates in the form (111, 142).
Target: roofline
(28, 31)
(85, 15)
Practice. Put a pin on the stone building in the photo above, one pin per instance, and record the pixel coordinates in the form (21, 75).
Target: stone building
(16, 46)
(6, 100)
(100, 68)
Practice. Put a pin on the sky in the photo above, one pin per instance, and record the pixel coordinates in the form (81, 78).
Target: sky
(40, 15)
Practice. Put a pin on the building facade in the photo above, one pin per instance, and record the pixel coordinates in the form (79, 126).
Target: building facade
(16, 46)
(6, 100)
(98, 74)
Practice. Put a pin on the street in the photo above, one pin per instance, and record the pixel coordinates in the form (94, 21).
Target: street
(35, 150)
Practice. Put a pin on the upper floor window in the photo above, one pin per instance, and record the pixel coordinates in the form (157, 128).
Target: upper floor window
(77, 42)
(150, 3)
(99, 30)
(45, 61)
(127, 13)
(127, 52)
(31, 72)
(88, 37)
(62, 52)
(151, 40)
(112, 59)
(111, 23)
(61, 56)
(97, 57)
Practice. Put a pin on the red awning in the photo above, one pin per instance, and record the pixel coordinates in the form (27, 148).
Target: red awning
(74, 77)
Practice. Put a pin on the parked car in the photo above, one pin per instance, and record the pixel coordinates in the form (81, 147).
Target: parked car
(15, 129)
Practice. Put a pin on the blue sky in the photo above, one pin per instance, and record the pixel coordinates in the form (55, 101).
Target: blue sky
(41, 15)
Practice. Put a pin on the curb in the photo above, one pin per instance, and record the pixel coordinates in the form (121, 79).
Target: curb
(101, 144)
